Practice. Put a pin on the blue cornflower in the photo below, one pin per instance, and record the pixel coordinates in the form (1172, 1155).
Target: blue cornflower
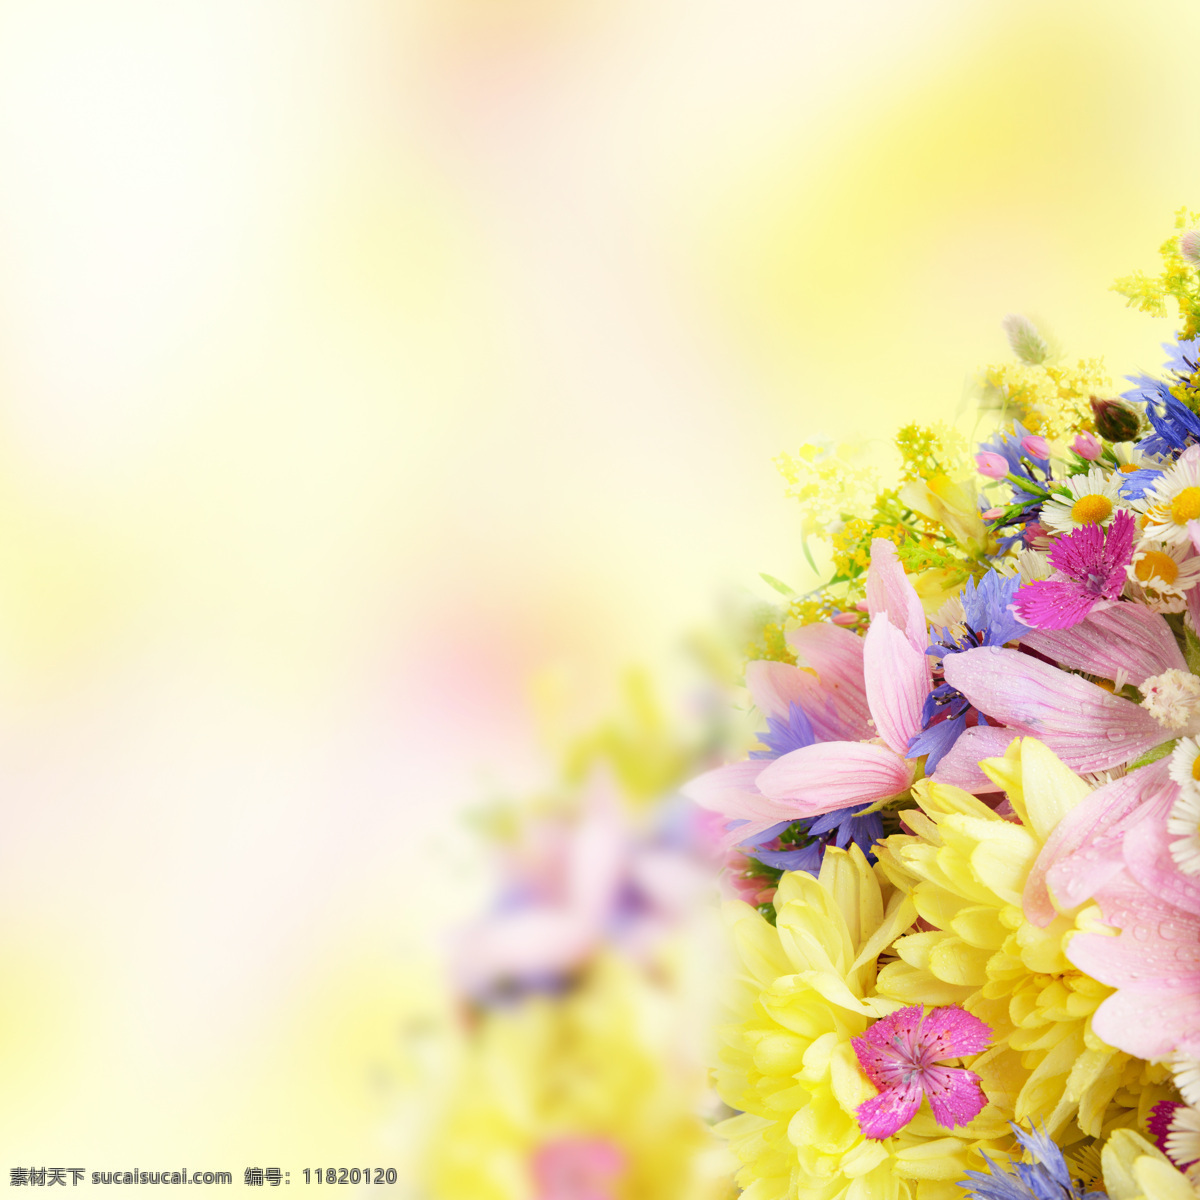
(1046, 1178)
(782, 737)
(840, 827)
(988, 620)
(1135, 484)
(1175, 425)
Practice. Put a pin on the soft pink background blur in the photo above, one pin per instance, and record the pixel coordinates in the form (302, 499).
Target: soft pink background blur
(360, 361)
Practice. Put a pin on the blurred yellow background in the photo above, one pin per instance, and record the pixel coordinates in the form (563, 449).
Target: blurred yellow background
(361, 360)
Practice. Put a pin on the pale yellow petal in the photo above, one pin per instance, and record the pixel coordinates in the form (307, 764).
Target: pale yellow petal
(1051, 788)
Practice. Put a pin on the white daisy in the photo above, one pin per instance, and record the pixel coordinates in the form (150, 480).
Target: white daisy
(1130, 458)
(1033, 565)
(1184, 819)
(1184, 767)
(951, 613)
(1183, 1137)
(1186, 1072)
(1171, 503)
(1162, 575)
(1093, 499)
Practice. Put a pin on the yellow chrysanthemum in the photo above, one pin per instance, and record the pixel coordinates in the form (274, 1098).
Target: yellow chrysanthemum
(590, 1075)
(965, 868)
(806, 989)
(1136, 1170)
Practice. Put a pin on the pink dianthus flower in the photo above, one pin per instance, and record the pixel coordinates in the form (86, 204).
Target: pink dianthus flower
(899, 1054)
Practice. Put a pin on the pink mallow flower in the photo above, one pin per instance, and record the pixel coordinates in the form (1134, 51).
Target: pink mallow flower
(1089, 570)
(899, 1054)
(1154, 962)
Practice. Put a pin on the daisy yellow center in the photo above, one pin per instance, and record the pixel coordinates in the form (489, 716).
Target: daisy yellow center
(1093, 509)
(1196, 768)
(1186, 506)
(1155, 564)
(1127, 468)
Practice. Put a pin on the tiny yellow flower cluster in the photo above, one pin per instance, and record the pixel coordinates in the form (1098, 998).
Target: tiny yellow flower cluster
(1052, 399)
(851, 544)
(1179, 281)
(771, 644)
(829, 483)
(929, 450)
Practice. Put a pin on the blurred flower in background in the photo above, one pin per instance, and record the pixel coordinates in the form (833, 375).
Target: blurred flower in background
(585, 988)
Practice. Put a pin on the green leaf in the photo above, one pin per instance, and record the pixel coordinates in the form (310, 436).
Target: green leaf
(1191, 650)
(1152, 756)
(778, 584)
(807, 557)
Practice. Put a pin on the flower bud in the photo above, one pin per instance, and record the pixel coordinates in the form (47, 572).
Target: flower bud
(1088, 446)
(993, 465)
(990, 514)
(1189, 247)
(1115, 420)
(1035, 447)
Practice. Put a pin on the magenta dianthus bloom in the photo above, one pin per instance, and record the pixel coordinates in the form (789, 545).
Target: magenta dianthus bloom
(899, 1054)
(1089, 569)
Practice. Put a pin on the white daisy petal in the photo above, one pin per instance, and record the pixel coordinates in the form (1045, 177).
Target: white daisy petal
(1092, 500)
(1171, 503)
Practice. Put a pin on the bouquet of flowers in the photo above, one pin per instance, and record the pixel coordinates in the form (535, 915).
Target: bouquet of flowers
(966, 855)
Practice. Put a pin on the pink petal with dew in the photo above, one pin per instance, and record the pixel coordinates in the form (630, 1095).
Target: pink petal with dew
(950, 1032)
(836, 714)
(1148, 859)
(1088, 728)
(835, 654)
(829, 775)
(898, 680)
(1084, 851)
(1158, 946)
(1053, 603)
(1117, 638)
(889, 591)
(955, 1095)
(960, 766)
(891, 1110)
(1149, 1023)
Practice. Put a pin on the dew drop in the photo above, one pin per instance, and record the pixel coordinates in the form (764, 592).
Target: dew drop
(1141, 933)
